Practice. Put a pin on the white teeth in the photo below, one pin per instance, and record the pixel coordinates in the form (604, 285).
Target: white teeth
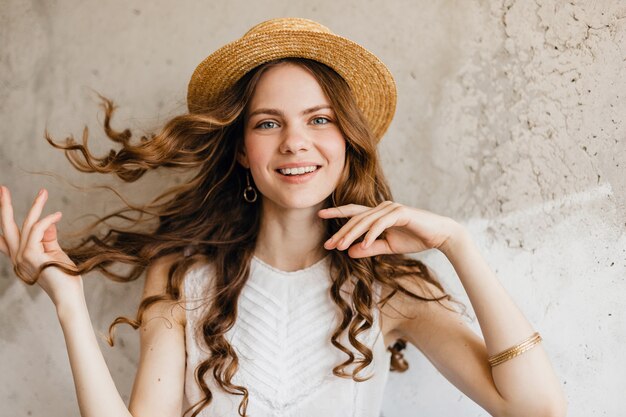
(298, 171)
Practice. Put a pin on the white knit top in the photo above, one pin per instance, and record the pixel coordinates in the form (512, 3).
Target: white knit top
(282, 338)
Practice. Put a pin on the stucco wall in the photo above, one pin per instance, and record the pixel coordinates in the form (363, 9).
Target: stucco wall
(510, 119)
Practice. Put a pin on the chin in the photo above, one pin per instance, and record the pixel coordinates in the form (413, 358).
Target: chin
(305, 204)
(299, 202)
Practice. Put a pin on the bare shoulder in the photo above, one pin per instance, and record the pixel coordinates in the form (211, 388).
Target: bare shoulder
(156, 284)
(160, 379)
(156, 275)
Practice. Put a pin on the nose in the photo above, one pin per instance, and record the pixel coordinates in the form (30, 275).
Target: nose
(294, 140)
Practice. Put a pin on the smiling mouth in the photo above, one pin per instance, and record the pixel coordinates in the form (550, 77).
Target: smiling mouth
(294, 172)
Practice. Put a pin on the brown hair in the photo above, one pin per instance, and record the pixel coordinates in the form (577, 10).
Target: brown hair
(206, 219)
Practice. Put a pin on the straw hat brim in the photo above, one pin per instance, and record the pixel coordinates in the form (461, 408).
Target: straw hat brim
(369, 79)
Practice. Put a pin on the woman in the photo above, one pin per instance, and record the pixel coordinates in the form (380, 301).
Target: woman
(280, 267)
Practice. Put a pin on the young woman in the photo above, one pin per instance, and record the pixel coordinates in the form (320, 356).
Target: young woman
(278, 273)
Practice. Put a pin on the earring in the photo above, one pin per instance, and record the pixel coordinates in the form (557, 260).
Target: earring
(397, 362)
(249, 193)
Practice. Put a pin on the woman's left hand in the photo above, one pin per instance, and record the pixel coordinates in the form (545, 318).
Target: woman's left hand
(407, 229)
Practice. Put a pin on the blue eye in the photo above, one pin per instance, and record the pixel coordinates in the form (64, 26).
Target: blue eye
(321, 118)
(265, 124)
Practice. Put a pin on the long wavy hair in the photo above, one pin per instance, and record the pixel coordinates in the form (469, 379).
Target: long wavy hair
(205, 219)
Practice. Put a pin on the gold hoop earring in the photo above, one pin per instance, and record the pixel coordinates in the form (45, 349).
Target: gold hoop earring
(249, 193)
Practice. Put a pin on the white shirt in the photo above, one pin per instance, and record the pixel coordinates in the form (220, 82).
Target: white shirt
(282, 339)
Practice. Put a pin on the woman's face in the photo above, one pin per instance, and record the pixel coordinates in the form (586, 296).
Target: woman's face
(290, 129)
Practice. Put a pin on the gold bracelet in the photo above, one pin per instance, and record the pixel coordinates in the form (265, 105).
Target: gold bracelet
(515, 350)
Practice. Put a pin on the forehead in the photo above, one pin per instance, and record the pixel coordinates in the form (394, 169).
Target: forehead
(287, 85)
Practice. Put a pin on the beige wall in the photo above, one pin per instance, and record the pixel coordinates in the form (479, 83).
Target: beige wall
(510, 119)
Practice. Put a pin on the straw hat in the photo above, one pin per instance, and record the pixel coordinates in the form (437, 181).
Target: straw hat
(369, 79)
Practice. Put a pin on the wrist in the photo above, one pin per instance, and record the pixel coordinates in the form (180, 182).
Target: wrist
(458, 238)
(70, 308)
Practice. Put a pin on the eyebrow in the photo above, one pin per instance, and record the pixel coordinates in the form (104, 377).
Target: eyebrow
(277, 112)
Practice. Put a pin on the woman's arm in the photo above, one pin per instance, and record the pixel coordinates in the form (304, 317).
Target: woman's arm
(523, 386)
(95, 390)
(163, 348)
(527, 383)
(29, 248)
(159, 382)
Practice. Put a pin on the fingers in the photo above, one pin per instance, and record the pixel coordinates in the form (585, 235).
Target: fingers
(38, 230)
(360, 224)
(4, 248)
(13, 242)
(348, 210)
(49, 241)
(378, 247)
(378, 227)
(33, 215)
(10, 231)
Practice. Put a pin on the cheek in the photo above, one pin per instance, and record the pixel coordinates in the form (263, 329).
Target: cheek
(256, 154)
(338, 152)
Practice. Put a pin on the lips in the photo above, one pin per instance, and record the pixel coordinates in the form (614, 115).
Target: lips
(298, 173)
(297, 169)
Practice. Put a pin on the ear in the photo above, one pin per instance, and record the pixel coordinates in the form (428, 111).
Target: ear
(242, 157)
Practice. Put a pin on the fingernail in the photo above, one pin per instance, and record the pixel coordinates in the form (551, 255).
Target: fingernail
(40, 192)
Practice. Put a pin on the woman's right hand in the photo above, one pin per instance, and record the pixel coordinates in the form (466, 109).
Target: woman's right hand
(35, 245)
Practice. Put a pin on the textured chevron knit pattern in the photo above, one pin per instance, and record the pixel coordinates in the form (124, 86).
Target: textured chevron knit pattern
(282, 338)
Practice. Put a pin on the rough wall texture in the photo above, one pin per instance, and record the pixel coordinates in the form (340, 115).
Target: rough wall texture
(510, 119)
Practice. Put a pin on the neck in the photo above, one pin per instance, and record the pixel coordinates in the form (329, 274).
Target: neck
(291, 239)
